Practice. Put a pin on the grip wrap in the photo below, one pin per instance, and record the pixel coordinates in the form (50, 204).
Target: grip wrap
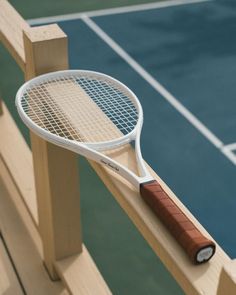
(179, 225)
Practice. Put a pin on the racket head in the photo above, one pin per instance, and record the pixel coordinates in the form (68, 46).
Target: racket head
(58, 105)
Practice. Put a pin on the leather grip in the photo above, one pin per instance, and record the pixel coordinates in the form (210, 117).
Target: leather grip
(196, 245)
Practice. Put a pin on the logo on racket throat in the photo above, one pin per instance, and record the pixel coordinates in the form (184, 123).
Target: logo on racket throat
(109, 165)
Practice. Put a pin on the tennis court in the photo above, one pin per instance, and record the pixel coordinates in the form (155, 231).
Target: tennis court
(179, 58)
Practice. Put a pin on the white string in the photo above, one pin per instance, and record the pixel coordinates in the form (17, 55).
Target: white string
(81, 108)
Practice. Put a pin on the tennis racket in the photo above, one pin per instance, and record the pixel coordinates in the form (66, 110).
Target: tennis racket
(91, 114)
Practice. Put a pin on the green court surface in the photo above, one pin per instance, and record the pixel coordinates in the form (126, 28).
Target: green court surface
(32, 9)
(180, 60)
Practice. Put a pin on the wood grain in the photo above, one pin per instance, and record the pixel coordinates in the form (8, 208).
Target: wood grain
(23, 241)
(18, 161)
(80, 275)
(55, 169)
(227, 282)
(194, 280)
(12, 26)
(45, 50)
(9, 283)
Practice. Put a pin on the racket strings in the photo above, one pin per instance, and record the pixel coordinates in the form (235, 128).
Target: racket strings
(48, 116)
(114, 103)
(81, 108)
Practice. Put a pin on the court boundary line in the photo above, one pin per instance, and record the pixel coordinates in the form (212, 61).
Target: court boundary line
(111, 11)
(190, 117)
(230, 151)
(226, 150)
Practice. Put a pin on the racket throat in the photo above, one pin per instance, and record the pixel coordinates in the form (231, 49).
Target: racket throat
(110, 165)
(126, 173)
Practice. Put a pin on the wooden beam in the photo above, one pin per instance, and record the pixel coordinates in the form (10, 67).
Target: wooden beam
(58, 200)
(9, 283)
(45, 50)
(227, 282)
(80, 275)
(79, 272)
(23, 241)
(194, 280)
(56, 175)
(12, 26)
(18, 161)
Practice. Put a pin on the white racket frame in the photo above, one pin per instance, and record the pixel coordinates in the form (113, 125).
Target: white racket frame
(91, 150)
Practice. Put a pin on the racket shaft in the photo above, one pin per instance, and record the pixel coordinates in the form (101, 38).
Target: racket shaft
(180, 226)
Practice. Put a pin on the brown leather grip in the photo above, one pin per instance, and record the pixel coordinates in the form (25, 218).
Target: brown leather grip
(198, 247)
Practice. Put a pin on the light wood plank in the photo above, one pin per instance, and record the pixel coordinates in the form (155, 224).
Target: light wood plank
(81, 276)
(60, 214)
(55, 169)
(195, 280)
(18, 161)
(227, 282)
(23, 241)
(11, 32)
(9, 283)
(45, 50)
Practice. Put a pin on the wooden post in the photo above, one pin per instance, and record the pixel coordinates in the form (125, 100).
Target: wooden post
(227, 281)
(56, 176)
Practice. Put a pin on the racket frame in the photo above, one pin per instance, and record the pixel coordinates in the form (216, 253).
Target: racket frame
(90, 150)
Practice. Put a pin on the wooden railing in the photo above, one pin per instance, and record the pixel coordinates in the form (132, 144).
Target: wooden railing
(38, 195)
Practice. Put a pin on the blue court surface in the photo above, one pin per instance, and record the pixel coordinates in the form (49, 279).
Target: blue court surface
(180, 60)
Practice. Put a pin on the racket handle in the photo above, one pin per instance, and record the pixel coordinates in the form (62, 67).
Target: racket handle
(196, 245)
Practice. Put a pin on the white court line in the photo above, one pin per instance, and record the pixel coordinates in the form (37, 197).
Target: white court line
(231, 146)
(110, 11)
(161, 89)
(156, 85)
(228, 151)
